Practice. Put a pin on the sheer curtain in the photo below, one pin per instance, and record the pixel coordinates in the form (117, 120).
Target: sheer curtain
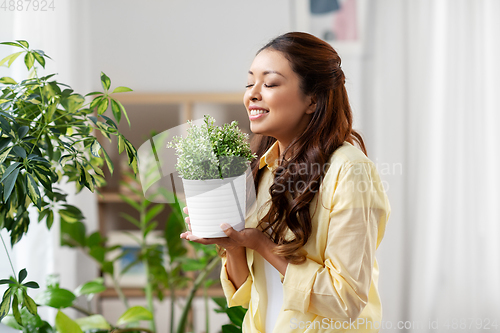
(431, 102)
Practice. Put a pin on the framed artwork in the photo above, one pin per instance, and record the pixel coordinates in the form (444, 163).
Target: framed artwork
(338, 22)
(135, 276)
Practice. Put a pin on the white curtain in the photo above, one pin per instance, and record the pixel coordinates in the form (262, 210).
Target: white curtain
(431, 102)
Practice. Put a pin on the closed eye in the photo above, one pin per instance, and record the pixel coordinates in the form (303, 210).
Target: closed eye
(269, 85)
(248, 85)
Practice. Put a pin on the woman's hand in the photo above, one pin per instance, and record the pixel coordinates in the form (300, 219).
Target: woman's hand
(249, 237)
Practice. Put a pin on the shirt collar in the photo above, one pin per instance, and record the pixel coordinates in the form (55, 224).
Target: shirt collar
(270, 158)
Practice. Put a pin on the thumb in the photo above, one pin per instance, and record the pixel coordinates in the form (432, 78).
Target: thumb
(228, 230)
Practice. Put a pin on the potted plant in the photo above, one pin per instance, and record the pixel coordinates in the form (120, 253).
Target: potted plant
(212, 162)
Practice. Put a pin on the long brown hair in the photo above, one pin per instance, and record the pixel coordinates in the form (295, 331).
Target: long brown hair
(318, 66)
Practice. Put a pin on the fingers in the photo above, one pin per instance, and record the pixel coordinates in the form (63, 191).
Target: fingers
(185, 210)
(188, 222)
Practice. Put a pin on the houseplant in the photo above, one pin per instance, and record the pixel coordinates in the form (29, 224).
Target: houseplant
(212, 162)
(47, 138)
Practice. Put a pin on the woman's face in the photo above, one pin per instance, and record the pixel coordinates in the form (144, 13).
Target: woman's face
(276, 105)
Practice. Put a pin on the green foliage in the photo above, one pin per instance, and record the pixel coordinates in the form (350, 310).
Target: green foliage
(134, 314)
(16, 295)
(46, 134)
(210, 152)
(235, 314)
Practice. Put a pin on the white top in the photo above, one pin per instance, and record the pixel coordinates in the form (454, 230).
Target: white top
(274, 295)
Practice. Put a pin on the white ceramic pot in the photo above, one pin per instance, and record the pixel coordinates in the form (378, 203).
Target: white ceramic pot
(212, 202)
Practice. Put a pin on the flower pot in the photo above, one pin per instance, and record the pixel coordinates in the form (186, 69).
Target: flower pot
(212, 202)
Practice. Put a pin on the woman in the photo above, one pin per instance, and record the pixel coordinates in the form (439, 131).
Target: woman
(306, 259)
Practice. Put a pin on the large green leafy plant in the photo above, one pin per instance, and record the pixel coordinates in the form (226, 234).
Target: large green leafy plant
(210, 152)
(47, 136)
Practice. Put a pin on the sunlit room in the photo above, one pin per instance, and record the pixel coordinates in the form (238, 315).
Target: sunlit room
(116, 115)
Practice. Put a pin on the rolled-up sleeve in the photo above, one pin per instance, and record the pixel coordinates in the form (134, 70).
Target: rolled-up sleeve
(235, 297)
(337, 286)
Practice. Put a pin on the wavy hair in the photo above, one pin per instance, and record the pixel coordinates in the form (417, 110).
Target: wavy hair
(317, 65)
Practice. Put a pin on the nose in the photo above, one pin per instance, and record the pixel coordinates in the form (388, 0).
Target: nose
(254, 93)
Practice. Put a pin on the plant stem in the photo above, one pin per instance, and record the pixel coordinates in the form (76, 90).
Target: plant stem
(82, 310)
(197, 283)
(8, 256)
(119, 291)
(149, 295)
(148, 289)
(172, 307)
(132, 329)
(207, 319)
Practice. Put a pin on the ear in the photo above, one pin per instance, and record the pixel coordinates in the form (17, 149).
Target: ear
(312, 105)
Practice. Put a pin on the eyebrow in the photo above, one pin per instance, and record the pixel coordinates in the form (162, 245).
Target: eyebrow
(268, 72)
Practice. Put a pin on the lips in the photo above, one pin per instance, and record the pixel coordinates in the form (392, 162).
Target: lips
(257, 112)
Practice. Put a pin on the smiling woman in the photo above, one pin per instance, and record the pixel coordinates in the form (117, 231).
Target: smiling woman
(307, 253)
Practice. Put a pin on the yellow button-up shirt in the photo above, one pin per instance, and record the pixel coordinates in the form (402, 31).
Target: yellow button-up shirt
(335, 289)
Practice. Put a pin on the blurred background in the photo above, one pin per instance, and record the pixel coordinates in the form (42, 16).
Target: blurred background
(423, 78)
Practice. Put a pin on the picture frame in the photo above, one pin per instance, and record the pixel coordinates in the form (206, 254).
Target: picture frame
(135, 276)
(338, 22)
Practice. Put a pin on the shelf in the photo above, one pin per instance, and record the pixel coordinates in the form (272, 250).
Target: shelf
(114, 197)
(180, 98)
(139, 292)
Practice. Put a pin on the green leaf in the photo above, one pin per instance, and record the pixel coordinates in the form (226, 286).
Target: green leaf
(94, 93)
(4, 155)
(73, 102)
(121, 89)
(33, 191)
(9, 183)
(192, 265)
(122, 108)
(91, 287)
(9, 170)
(22, 275)
(95, 102)
(22, 131)
(50, 219)
(10, 58)
(105, 81)
(31, 284)
(95, 147)
(5, 281)
(103, 105)
(19, 151)
(109, 163)
(94, 322)
(65, 324)
(230, 329)
(7, 80)
(12, 44)
(29, 303)
(133, 314)
(15, 310)
(29, 60)
(72, 233)
(5, 305)
(175, 245)
(116, 110)
(121, 144)
(39, 58)
(98, 253)
(220, 301)
(23, 43)
(56, 298)
(153, 212)
(236, 315)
